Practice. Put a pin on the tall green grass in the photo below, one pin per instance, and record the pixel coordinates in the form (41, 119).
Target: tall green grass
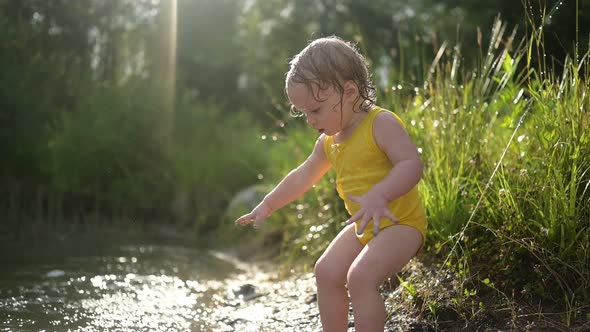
(507, 155)
(507, 159)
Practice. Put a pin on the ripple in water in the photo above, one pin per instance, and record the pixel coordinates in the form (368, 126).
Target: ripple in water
(132, 289)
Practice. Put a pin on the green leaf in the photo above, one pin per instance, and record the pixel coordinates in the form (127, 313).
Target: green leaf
(507, 64)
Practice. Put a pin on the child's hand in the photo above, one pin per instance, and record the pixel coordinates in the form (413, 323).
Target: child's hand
(258, 214)
(373, 208)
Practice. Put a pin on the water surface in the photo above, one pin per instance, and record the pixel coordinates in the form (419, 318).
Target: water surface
(95, 283)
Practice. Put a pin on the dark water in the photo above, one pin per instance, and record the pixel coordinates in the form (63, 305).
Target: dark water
(96, 283)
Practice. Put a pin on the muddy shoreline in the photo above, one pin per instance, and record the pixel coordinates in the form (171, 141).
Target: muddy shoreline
(260, 299)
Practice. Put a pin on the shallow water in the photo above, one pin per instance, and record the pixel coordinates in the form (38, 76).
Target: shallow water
(95, 284)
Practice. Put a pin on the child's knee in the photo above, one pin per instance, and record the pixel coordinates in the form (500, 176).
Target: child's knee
(325, 273)
(359, 280)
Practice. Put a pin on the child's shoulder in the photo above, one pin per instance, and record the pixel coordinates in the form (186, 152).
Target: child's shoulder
(382, 115)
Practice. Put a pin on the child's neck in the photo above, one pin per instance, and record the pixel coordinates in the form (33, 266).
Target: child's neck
(356, 118)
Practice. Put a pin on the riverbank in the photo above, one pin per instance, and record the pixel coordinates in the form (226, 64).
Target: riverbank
(261, 298)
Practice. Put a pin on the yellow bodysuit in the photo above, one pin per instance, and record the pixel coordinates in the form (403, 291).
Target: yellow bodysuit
(360, 164)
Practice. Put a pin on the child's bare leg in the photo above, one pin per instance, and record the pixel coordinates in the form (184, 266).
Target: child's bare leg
(330, 273)
(383, 256)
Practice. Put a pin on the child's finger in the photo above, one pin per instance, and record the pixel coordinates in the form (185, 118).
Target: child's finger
(257, 221)
(354, 218)
(245, 219)
(363, 224)
(376, 223)
(355, 199)
(390, 215)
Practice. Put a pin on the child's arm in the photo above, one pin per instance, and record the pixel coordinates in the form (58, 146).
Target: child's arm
(393, 140)
(295, 184)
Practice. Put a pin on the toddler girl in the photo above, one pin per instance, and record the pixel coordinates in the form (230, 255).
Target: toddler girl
(377, 171)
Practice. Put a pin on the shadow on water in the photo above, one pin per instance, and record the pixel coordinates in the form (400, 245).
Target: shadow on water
(101, 283)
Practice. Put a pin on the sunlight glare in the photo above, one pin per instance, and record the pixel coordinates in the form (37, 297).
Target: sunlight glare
(134, 300)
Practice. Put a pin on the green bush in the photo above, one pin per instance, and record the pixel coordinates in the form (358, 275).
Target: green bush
(112, 147)
(115, 148)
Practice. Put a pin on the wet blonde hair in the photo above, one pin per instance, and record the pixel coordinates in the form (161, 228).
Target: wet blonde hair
(330, 62)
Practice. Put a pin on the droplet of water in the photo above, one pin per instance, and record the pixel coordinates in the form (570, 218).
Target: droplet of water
(55, 274)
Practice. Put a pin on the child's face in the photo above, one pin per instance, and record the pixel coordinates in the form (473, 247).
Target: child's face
(326, 114)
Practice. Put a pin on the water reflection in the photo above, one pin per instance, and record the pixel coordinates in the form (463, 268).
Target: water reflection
(152, 302)
(124, 288)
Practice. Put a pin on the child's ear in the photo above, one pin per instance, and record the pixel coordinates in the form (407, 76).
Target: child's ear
(351, 90)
